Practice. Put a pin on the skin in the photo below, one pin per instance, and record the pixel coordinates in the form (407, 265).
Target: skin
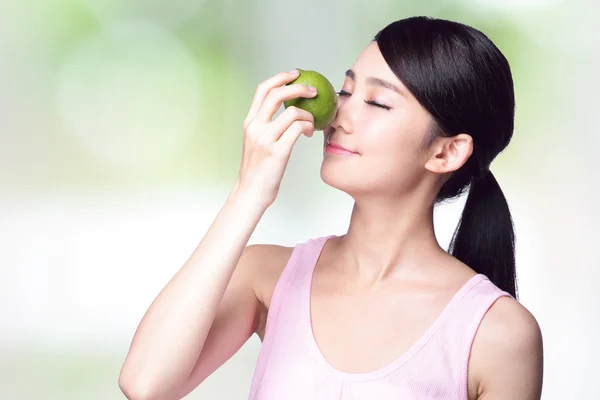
(390, 256)
(374, 291)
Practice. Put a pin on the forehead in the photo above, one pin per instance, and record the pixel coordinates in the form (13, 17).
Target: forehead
(370, 68)
(370, 62)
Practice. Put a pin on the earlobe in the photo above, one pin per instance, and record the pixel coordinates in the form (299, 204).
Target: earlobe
(449, 154)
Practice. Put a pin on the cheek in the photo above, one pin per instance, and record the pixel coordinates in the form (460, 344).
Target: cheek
(391, 154)
(392, 171)
(393, 136)
(375, 133)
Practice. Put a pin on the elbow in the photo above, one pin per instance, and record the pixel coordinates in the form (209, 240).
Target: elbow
(135, 388)
(132, 390)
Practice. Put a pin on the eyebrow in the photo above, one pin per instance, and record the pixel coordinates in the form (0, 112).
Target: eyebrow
(377, 82)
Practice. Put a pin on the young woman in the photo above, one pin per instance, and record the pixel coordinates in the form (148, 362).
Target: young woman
(382, 312)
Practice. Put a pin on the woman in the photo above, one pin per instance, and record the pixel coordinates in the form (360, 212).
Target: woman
(382, 312)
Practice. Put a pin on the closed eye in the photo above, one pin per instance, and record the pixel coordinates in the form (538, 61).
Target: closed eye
(370, 102)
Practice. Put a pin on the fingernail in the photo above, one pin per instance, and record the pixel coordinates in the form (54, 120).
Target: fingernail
(312, 89)
(294, 71)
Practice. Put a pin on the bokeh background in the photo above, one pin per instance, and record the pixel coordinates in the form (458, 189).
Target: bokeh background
(120, 139)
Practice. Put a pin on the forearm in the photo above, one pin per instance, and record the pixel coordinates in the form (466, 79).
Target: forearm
(172, 332)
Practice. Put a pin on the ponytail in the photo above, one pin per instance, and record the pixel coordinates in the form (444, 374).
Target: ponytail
(484, 238)
(464, 82)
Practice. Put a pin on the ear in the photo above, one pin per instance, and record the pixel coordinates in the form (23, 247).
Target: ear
(449, 154)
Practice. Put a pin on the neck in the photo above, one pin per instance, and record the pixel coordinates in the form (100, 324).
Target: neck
(389, 238)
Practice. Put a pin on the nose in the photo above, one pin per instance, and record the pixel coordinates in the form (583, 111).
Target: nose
(344, 117)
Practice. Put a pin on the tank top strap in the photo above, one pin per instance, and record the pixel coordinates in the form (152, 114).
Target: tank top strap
(289, 288)
(302, 261)
(283, 330)
(457, 334)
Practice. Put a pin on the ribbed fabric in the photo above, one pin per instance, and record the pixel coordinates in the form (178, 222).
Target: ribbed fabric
(290, 365)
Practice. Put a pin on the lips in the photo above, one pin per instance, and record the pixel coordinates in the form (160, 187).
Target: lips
(337, 146)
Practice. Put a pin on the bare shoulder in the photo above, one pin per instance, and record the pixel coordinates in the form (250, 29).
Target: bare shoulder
(507, 354)
(268, 261)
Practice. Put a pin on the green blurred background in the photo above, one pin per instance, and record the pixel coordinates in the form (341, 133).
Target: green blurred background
(120, 128)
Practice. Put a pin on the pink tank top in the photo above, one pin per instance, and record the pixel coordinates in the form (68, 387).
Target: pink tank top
(290, 365)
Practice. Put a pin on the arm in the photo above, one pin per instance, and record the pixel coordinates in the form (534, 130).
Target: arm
(507, 354)
(208, 309)
(203, 315)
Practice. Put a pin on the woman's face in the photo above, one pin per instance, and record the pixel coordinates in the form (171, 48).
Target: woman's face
(388, 138)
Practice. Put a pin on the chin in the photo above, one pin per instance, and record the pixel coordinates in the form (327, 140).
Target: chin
(339, 177)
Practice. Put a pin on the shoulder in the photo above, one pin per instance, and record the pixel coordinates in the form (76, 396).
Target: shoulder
(507, 353)
(268, 262)
(265, 264)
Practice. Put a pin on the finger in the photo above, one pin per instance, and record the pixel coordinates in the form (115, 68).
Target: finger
(277, 96)
(263, 88)
(290, 136)
(284, 120)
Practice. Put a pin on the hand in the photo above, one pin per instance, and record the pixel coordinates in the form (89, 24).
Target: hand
(268, 144)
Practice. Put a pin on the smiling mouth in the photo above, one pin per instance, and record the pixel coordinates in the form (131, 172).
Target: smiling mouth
(328, 144)
(332, 148)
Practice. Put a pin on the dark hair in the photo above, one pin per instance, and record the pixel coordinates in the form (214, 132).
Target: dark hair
(463, 80)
